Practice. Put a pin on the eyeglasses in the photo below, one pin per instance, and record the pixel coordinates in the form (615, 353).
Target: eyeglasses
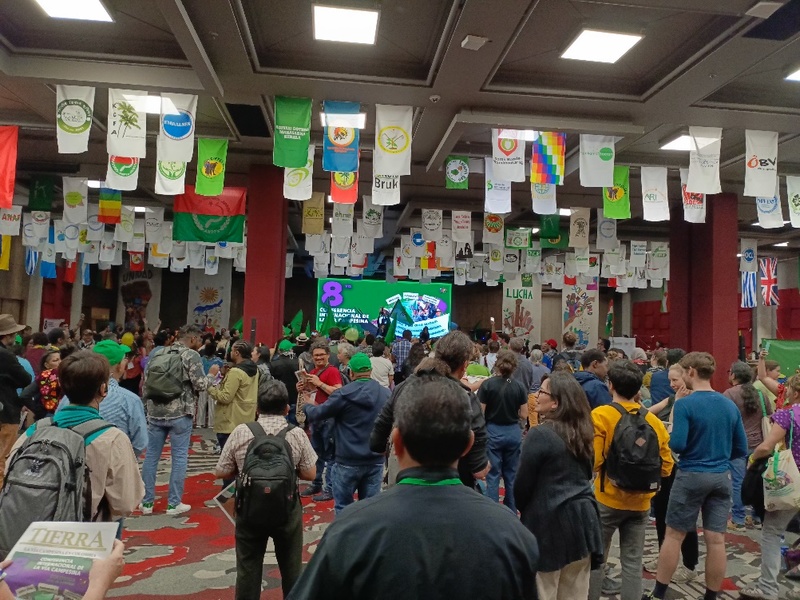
(545, 393)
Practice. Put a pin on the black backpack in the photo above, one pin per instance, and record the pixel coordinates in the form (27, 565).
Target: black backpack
(266, 489)
(633, 462)
(164, 378)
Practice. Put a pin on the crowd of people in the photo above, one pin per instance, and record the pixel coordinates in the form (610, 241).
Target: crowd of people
(536, 454)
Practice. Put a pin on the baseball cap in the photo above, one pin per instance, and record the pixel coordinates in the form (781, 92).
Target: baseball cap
(360, 363)
(285, 346)
(127, 339)
(351, 334)
(113, 351)
(551, 342)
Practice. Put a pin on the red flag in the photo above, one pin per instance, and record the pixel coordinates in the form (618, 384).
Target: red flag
(70, 271)
(8, 163)
(136, 261)
(344, 187)
(612, 282)
(229, 203)
(570, 280)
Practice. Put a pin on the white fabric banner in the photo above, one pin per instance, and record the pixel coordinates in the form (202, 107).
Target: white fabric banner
(178, 250)
(508, 156)
(462, 225)
(94, 228)
(108, 247)
(543, 197)
(340, 245)
(127, 124)
(497, 197)
(431, 224)
(170, 177)
(342, 224)
(74, 109)
(793, 199)
(10, 220)
(297, 183)
(654, 193)
(72, 234)
(606, 232)
(748, 261)
(154, 225)
(137, 244)
(92, 254)
(166, 243)
(770, 211)
(761, 162)
(364, 244)
(532, 258)
(29, 237)
(638, 254)
(580, 310)
(694, 204)
(176, 127)
(76, 199)
(446, 250)
(392, 155)
(495, 258)
(570, 268)
(582, 260)
(579, 227)
(123, 231)
(597, 160)
(289, 265)
(212, 262)
(460, 273)
(704, 160)
(40, 223)
(659, 257)
(196, 255)
(372, 218)
(318, 245)
(209, 303)
(493, 229)
(122, 173)
(510, 261)
(386, 190)
(522, 310)
(418, 245)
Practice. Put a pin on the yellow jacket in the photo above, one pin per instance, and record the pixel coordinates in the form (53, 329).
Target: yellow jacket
(236, 397)
(605, 419)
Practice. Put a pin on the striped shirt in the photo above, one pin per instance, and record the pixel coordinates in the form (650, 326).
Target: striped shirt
(400, 350)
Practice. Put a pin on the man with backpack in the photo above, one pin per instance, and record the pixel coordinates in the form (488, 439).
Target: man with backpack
(268, 455)
(353, 410)
(12, 377)
(708, 434)
(631, 455)
(172, 381)
(74, 466)
(568, 354)
(593, 378)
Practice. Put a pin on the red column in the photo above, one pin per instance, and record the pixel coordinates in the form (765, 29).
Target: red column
(680, 304)
(264, 281)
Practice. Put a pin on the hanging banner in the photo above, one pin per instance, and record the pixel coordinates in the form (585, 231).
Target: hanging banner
(10, 220)
(456, 170)
(460, 273)
(137, 244)
(659, 258)
(543, 196)
(47, 266)
(518, 237)
(8, 163)
(210, 219)
(154, 225)
(212, 155)
(292, 132)
(127, 123)
(580, 312)
(212, 262)
(431, 224)
(508, 157)
(464, 250)
(41, 192)
(638, 254)
(386, 190)
(344, 187)
(770, 212)
(314, 214)
(694, 205)
(94, 228)
(532, 258)
(122, 173)
(606, 232)
(616, 199)
(497, 196)
(548, 152)
(110, 208)
(446, 250)
(209, 305)
(495, 257)
(76, 193)
(493, 226)
(704, 160)
(175, 142)
(793, 198)
(74, 109)
(123, 231)
(40, 223)
(342, 223)
(170, 177)
(582, 260)
(510, 261)
(597, 161)
(748, 261)
(372, 219)
(461, 225)
(749, 298)
(561, 240)
(579, 227)
(549, 225)
(340, 144)
(297, 183)
(768, 274)
(761, 162)
(654, 193)
(392, 154)
(29, 238)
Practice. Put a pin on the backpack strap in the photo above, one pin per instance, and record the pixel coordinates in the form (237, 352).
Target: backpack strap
(763, 404)
(89, 428)
(257, 430)
(622, 412)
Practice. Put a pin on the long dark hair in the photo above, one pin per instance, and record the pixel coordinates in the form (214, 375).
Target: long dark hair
(572, 419)
(742, 374)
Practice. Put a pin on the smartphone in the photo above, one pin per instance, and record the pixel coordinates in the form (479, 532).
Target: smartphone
(300, 374)
(766, 346)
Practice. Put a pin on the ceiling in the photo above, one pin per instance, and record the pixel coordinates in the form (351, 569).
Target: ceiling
(699, 63)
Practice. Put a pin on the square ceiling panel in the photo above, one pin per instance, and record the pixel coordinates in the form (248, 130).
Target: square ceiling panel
(670, 37)
(138, 31)
(408, 36)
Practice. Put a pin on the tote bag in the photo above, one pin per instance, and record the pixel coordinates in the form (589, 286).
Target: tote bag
(782, 478)
(766, 424)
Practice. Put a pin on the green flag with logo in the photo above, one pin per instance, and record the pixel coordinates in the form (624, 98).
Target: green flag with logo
(560, 240)
(456, 170)
(550, 225)
(292, 132)
(40, 195)
(617, 199)
(211, 158)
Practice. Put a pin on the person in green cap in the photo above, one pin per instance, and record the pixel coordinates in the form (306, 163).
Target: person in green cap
(353, 410)
(121, 408)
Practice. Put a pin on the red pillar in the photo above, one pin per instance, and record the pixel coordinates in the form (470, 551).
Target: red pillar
(680, 304)
(264, 281)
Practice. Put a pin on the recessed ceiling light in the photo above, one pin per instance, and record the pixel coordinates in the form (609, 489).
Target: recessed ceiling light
(354, 26)
(781, 245)
(355, 120)
(565, 212)
(528, 135)
(140, 209)
(151, 104)
(473, 42)
(330, 219)
(682, 142)
(794, 76)
(600, 46)
(535, 230)
(84, 10)
(739, 255)
(95, 184)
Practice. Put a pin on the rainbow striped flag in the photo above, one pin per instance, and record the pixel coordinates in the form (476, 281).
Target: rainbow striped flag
(110, 206)
(547, 157)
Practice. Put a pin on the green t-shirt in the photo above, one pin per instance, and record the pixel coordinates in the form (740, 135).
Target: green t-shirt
(476, 370)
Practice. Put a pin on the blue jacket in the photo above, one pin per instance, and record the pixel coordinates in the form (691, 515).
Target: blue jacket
(659, 386)
(596, 389)
(354, 409)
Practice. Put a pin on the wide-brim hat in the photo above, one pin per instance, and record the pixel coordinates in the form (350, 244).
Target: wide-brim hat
(302, 338)
(8, 325)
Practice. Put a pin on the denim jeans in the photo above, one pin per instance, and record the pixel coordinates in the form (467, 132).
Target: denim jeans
(366, 479)
(632, 525)
(180, 433)
(773, 527)
(322, 442)
(503, 452)
(738, 468)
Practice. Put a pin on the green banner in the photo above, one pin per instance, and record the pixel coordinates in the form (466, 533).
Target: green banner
(211, 158)
(617, 199)
(786, 352)
(207, 228)
(40, 196)
(292, 132)
(550, 225)
(456, 170)
(560, 240)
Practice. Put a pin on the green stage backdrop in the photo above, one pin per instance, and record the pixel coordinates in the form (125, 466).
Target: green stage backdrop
(786, 352)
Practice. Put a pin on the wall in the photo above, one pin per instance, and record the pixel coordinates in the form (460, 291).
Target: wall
(14, 283)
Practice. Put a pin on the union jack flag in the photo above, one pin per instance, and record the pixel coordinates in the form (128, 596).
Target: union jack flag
(748, 289)
(768, 271)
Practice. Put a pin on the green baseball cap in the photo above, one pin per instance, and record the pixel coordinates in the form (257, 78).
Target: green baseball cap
(285, 346)
(113, 351)
(360, 363)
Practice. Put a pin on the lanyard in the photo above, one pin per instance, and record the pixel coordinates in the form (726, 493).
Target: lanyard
(425, 482)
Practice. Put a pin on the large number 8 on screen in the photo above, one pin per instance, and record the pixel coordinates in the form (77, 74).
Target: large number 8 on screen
(332, 294)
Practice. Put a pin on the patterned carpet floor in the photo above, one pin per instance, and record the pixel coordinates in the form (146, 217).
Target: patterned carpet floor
(192, 555)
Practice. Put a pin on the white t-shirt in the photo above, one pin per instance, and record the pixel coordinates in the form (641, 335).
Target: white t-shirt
(382, 368)
(489, 360)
